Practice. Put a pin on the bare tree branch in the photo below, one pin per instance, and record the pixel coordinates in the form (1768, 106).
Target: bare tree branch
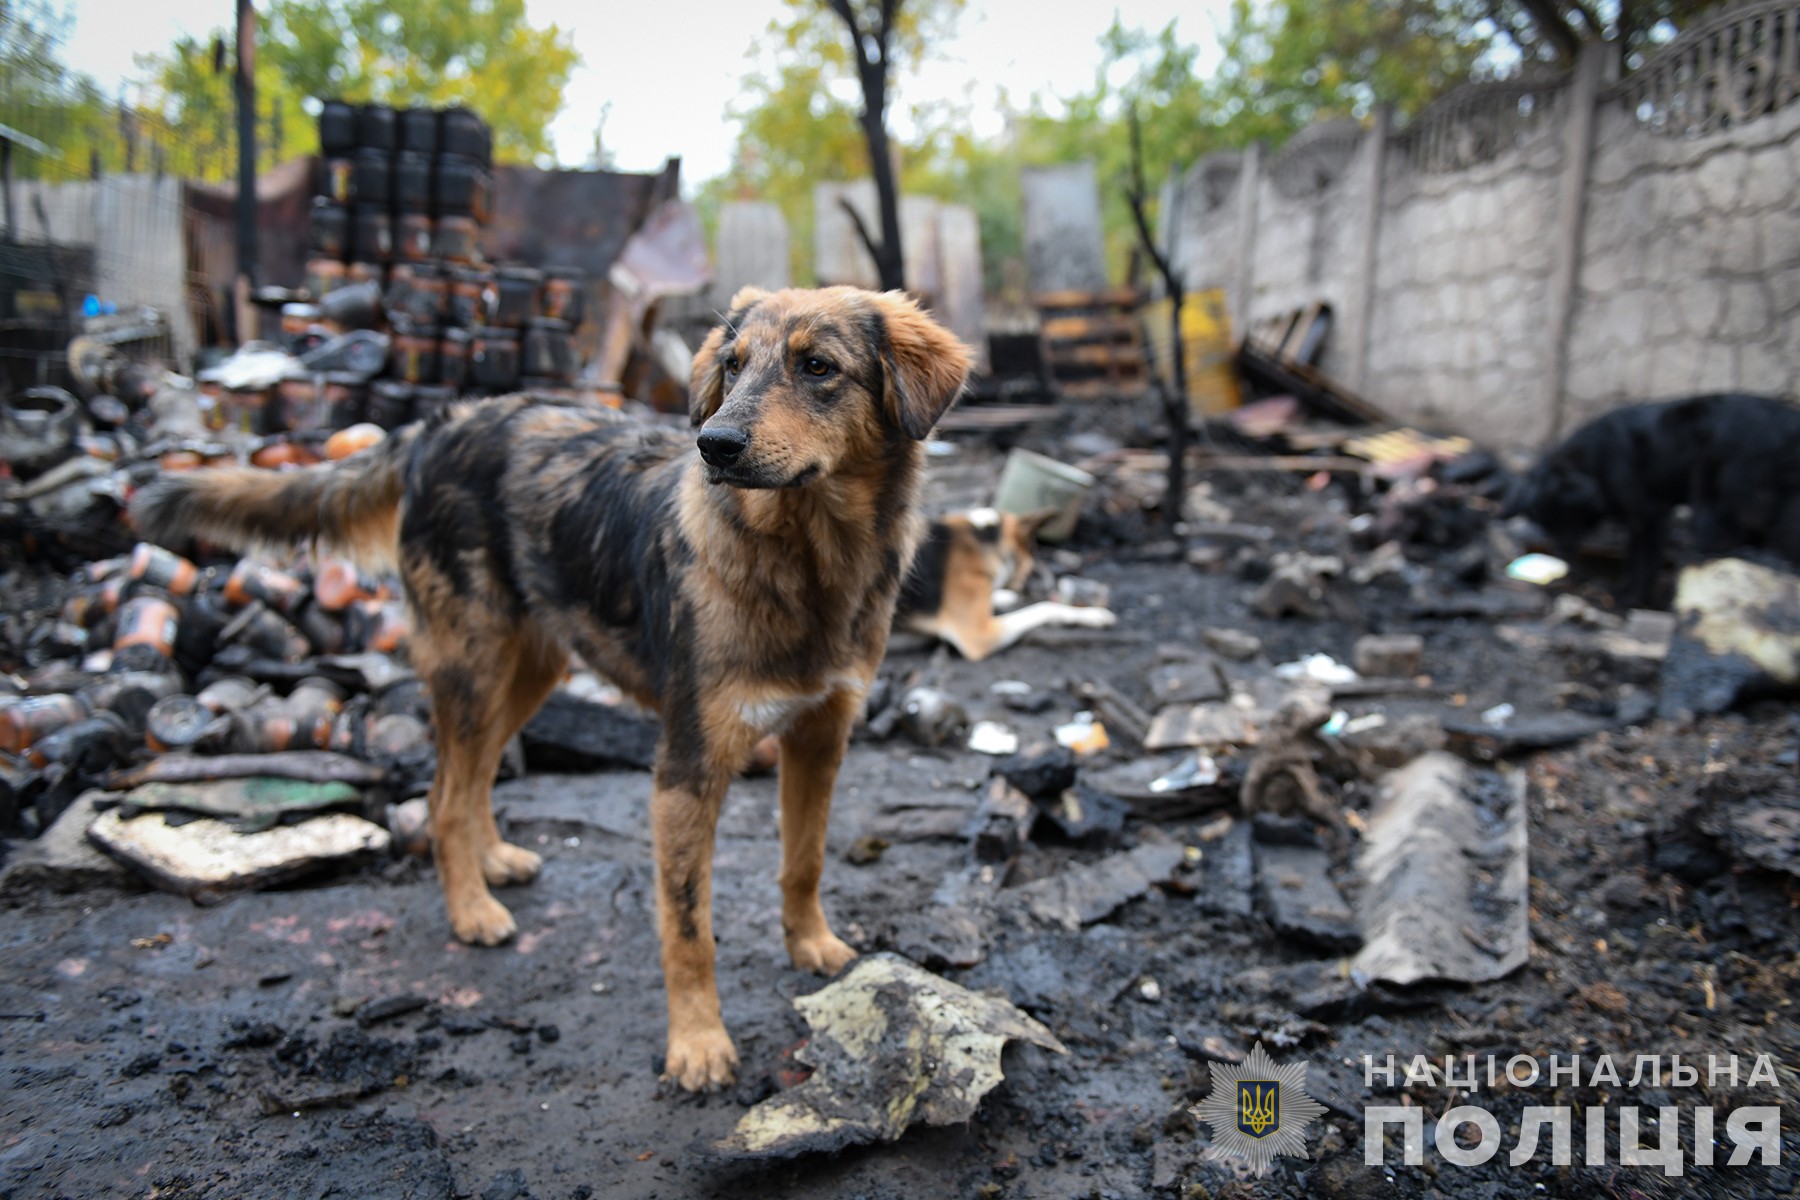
(862, 231)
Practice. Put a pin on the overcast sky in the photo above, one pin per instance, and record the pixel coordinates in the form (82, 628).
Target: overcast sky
(669, 68)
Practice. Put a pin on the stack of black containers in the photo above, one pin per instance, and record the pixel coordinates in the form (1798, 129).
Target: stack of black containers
(402, 197)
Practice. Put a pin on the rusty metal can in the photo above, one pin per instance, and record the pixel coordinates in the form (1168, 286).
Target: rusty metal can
(561, 299)
(246, 410)
(494, 359)
(456, 239)
(413, 357)
(267, 633)
(453, 358)
(414, 235)
(88, 746)
(148, 621)
(345, 395)
(324, 276)
(390, 403)
(471, 291)
(252, 580)
(303, 407)
(183, 723)
(162, 568)
(26, 721)
(233, 693)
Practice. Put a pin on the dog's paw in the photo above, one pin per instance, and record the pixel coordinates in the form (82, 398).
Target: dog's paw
(703, 1061)
(504, 863)
(825, 954)
(1093, 618)
(482, 922)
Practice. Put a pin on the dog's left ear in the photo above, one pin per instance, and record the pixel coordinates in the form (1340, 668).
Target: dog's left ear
(1032, 522)
(706, 386)
(924, 365)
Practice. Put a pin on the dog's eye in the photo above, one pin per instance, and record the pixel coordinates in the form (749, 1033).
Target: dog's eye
(731, 364)
(817, 367)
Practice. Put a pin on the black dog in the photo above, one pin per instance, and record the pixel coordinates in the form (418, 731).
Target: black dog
(1733, 458)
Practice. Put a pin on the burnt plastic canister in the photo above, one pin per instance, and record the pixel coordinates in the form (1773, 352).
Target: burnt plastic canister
(252, 580)
(359, 274)
(337, 127)
(470, 291)
(416, 293)
(88, 746)
(162, 568)
(412, 182)
(462, 132)
(455, 239)
(270, 635)
(548, 352)
(372, 178)
(429, 400)
(147, 621)
(413, 237)
(345, 396)
(337, 179)
(324, 630)
(233, 693)
(246, 410)
(564, 291)
(183, 723)
(419, 131)
(412, 356)
(494, 358)
(371, 234)
(453, 359)
(297, 322)
(390, 403)
(330, 228)
(338, 584)
(25, 721)
(377, 129)
(515, 296)
(324, 276)
(303, 408)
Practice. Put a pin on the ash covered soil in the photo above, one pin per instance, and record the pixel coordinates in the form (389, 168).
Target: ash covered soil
(149, 1047)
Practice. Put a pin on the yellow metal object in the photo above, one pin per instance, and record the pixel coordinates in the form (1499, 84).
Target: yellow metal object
(1212, 382)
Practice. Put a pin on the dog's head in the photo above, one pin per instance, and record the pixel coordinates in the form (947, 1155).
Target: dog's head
(1560, 498)
(1008, 543)
(797, 384)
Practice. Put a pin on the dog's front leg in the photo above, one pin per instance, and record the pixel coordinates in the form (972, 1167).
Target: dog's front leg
(684, 813)
(811, 751)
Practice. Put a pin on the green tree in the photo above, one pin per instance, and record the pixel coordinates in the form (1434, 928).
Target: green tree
(60, 109)
(189, 111)
(481, 53)
(798, 122)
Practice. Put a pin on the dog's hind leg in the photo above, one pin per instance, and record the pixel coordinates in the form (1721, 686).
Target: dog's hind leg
(484, 685)
(811, 752)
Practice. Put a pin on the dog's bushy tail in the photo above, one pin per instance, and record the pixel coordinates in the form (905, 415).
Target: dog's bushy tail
(350, 507)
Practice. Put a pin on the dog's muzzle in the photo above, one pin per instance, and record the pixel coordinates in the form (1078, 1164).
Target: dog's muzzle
(722, 447)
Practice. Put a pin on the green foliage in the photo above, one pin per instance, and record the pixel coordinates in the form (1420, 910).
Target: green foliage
(41, 98)
(189, 109)
(798, 121)
(482, 54)
(1283, 65)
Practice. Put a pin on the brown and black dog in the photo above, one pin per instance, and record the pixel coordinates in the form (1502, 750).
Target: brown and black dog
(743, 586)
(967, 563)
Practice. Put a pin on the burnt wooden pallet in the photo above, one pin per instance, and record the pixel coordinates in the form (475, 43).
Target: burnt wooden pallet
(1093, 342)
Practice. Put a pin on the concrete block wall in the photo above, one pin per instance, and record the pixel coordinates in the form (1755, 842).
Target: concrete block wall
(1528, 254)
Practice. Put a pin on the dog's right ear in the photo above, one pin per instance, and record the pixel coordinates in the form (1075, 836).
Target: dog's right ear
(706, 386)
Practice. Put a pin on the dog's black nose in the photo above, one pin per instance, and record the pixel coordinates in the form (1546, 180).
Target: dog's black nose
(721, 447)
